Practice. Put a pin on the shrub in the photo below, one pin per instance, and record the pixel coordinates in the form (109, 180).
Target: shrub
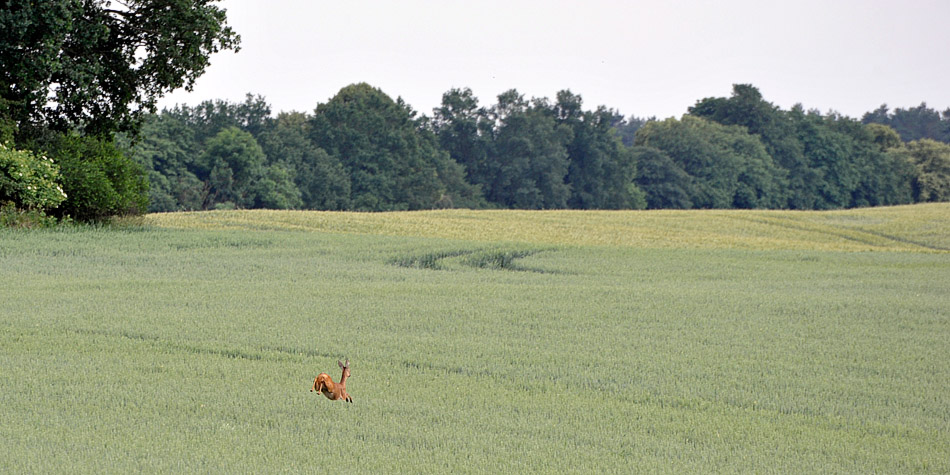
(29, 182)
(13, 217)
(99, 179)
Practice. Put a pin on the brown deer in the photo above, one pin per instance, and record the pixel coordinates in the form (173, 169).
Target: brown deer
(323, 383)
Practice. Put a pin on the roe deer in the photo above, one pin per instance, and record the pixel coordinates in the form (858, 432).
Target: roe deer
(323, 383)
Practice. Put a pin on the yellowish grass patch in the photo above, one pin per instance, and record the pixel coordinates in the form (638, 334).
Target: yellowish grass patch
(918, 228)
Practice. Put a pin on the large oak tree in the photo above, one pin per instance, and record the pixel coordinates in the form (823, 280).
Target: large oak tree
(97, 65)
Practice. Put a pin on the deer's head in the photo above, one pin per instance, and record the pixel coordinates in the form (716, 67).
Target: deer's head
(345, 367)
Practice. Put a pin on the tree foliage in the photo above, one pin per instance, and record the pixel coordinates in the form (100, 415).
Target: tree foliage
(232, 164)
(362, 150)
(96, 64)
(393, 162)
(535, 155)
(529, 161)
(831, 161)
(74, 72)
(99, 179)
(932, 161)
(321, 179)
(664, 182)
(775, 129)
(913, 123)
(627, 127)
(601, 170)
(466, 131)
(197, 158)
(729, 168)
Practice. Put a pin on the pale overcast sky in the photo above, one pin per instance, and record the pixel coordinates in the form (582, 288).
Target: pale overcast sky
(653, 58)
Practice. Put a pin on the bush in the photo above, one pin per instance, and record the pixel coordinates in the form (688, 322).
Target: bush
(99, 179)
(13, 217)
(29, 182)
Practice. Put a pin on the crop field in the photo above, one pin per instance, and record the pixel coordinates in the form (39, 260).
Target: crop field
(480, 341)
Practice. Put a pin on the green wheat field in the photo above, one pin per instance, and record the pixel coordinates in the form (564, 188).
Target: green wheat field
(480, 342)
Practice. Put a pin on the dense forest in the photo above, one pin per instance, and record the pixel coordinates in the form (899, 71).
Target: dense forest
(362, 150)
(81, 137)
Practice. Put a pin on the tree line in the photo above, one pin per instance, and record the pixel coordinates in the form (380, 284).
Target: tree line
(80, 137)
(362, 150)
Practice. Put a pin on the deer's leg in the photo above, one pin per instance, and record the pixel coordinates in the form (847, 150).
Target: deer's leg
(320, 383)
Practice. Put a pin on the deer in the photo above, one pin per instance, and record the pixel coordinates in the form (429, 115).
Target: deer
(323, 383)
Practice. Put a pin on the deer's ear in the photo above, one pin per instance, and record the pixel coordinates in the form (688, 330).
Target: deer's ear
(340, 363)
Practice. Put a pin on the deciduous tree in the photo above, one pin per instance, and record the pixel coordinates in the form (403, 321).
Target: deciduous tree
(392, 160)
(466, 131)
(729, 167)
(98, 64)
(913, 123)
(529, 160)
(664, 182)
(932, 160)
(601, 170)
(323, 182)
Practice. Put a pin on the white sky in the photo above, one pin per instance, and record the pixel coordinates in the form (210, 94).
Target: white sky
(646, 58)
